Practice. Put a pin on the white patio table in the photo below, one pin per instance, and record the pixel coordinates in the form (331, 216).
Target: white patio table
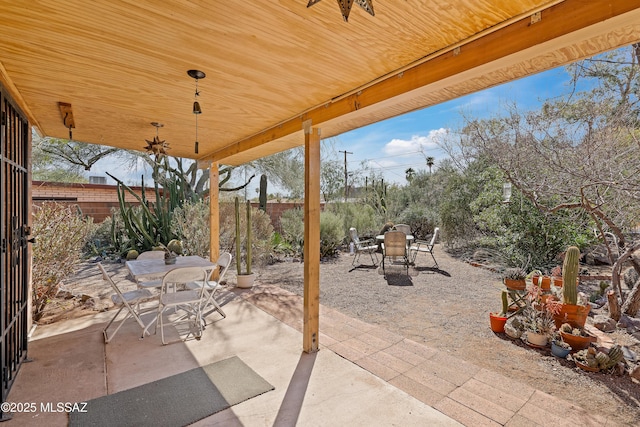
(150, 269)
(153, 269)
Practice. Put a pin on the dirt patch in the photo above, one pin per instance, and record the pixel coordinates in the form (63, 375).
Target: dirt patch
(445, 308)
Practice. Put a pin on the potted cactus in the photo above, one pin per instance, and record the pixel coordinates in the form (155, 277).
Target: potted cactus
(514, 278)
(244, 278)
(171, 251)
(498, 320)
(571, 310)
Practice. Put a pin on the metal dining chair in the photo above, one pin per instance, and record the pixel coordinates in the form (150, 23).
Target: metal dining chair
(395, 245)
(190, 301)
(425, 247)
(212, 286)
(360, 247)
(129, 301)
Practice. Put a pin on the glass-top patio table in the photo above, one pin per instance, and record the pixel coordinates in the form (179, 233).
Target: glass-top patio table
(150, 269)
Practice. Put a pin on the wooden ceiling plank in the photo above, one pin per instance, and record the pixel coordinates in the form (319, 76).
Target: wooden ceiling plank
(557, 21)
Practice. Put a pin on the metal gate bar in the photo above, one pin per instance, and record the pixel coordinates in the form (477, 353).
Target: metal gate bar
(14, 200)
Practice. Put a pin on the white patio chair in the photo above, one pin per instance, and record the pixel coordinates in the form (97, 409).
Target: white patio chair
(395, 245)
(212, 286)
(130, 301)
(151, 255)
(159, 255)
(426, 247)
(367, 246)
(406, 229)
(188, 300)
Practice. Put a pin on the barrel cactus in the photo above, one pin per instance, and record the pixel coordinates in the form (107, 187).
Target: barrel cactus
(175, 246)
(132, 254)
(570, 275)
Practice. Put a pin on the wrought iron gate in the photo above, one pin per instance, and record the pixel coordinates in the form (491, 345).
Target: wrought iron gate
(14, 277)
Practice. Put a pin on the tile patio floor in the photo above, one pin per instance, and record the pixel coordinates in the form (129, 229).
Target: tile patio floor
(363, 375)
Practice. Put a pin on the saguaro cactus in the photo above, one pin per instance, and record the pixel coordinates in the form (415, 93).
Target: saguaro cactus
(570, 275)
(263, 193)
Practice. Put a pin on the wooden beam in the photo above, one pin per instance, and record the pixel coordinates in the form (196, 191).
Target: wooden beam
(214, 212)
(311, 240)
(557, 21)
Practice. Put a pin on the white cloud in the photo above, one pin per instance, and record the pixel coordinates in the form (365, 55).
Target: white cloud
(417, 143)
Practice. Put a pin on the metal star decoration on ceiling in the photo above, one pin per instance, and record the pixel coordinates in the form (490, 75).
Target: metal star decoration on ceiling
(345, 6)
(157, 147)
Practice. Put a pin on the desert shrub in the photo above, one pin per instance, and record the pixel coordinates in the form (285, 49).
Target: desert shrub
(331, 233)
(108, 239)
(191, 224)
(261, 230)
(60, 234)
(421, 220)
(361, 216)
(293, 229)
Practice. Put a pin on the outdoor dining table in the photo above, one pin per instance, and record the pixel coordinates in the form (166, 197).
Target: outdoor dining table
(150, 269)
(410, 238)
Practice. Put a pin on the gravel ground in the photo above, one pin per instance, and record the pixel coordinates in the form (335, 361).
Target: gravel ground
(445, 308)
(448, 309)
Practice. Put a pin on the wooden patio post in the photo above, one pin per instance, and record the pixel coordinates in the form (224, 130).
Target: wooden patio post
(311, 238)
(214, 212)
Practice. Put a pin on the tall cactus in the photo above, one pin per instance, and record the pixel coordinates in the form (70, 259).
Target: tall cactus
(505, 303)
(239, 239)
(249, 242)
(263, 193)
(570, 275)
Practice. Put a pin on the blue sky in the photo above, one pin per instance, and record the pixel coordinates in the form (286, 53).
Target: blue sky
(392, 146)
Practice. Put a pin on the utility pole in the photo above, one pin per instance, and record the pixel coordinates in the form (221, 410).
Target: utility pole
(346, 187)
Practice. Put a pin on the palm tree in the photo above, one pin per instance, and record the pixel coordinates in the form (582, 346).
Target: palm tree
(430, 162)
(410, 173)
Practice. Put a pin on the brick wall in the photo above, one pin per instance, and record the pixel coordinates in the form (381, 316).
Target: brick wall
(96, 200)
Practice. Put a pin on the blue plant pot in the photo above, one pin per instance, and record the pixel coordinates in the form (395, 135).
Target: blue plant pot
(558, 351)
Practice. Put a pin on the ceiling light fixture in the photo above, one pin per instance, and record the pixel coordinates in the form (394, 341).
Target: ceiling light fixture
(196, 74)
(157, 147)
(345, 6)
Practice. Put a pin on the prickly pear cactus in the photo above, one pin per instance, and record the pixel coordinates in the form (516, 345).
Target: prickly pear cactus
(570, 275)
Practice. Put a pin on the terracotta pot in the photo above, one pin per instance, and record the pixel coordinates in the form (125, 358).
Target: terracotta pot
(497, 322)
(586, 367)
(515, 284)
(575, 315)
(543, 281)
(557, 281)
(577, 342)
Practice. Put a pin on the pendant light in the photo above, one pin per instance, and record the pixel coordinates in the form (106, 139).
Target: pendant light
(196, 74)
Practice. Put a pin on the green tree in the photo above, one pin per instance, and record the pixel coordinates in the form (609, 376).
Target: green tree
(579, 153)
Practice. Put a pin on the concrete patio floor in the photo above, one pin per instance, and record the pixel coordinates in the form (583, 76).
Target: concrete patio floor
(363, 375)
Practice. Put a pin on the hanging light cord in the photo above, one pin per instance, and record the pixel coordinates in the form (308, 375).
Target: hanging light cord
(195, 98)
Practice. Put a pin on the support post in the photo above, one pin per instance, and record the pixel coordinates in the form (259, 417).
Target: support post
(214, 212)
(311, 238)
